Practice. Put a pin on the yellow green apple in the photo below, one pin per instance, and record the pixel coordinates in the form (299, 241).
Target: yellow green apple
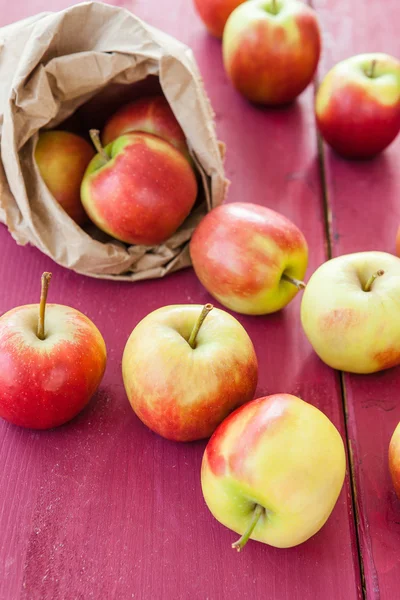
(350, 309)
(273, 471)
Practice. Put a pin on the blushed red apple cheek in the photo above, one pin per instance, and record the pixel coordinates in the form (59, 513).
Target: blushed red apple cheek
(54, 391)
(263, 422)
(388, 358)
(226, 252)
(287, 71)
(354, 122)
(165, 414)
(131, 192)
(153, 116)
(339, 320)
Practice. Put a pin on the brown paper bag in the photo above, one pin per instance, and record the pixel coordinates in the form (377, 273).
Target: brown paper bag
(55, 63)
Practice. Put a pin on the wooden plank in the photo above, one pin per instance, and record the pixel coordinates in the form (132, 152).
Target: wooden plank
(102, 508)
(365, 213)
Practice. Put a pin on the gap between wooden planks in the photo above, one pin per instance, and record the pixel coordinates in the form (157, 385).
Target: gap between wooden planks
(363, 213)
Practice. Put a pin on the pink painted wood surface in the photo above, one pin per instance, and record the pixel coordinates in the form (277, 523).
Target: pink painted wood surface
(102, 508)
(364, 199)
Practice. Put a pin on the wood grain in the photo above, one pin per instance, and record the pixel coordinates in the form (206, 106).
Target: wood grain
(365, 213)
(102, 508)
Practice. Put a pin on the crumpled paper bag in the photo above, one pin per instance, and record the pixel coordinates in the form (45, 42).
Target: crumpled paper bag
(55, 63)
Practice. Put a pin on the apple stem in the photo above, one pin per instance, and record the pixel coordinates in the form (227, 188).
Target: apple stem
(95, 137)
(241, 542)
(206, 309)
(299, 284)
(42, 307)
(274, 7)
(372, 69)
(368, 285)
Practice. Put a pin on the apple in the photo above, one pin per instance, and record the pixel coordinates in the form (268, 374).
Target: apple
(398, 242)
(138, 189)
(358, 105)
(394, 459)
(185, 371)
(251, 258)
(62, 159)
(150, 115)
(271, 49)
(273, 471)
(349, 312)
(214, 13)
(52, 360)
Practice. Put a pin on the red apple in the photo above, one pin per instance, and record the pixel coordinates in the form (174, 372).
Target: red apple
(251, 258)
(273, 471)
(394, 459)
(271, 49)
(139, 189)
(214, 13)
(358, 105)
(52, 359)
(150, 115)
(62, 158)
(183, 372)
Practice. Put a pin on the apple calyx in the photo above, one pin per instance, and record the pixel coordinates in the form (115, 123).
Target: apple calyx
(206, 309)
(95, 137)
(299, 284)
(242, 541)
(42, 306)
(368, 285)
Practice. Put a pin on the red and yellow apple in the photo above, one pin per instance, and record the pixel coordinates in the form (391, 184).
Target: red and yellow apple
(273, 471)
(139, 189)
(358, 105)
(214, 13)
(62, 159)
(183, 372)
(251, 258)
(349, 312)
(150, 115)
(398, 242)
(394, 459)
(52, 360)
(271, 49)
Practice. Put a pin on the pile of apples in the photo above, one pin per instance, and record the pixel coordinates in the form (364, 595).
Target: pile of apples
(274, 466)
(271, 50)
(140, 185)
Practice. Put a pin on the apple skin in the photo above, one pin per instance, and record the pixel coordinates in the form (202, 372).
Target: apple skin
(62, 159)
(350, 329)
(394, 459)
(143, 193)
(271, 58)
(239, 252)
(45, 383)
(179, 392)
(149, 115)
(359, 115)
(398, 242)
(214, 13)
(283, 454)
